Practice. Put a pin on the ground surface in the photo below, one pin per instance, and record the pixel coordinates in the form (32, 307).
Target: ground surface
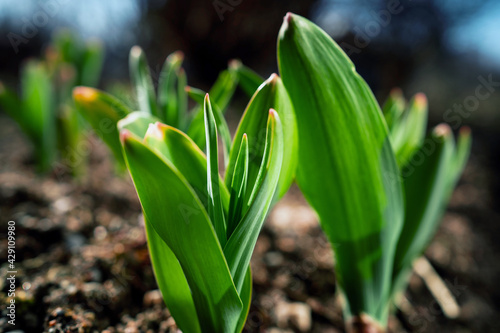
(83, 264)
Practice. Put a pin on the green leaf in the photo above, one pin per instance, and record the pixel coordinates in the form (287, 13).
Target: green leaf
(11, 104)
(177, 215)
(167, 90)
(240, 245)
(215, 210)
(38, 112)
(182, 99)
(141, 78)
(347, 169)
(137, 122)
(248, 80)
(198, 96)
(409, 131)
(246, 298)
(221, 93)
(102, 111)
(93, 59)
(393, 108)
(172, 282)
(425, 184)
(238, 188)
(460, 158)
(271, 94)
(185, 155)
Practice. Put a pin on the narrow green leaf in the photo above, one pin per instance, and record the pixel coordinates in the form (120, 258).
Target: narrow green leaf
(215, 210)
(409, 131)
(240, 245)
(182, 99)
(38, 112)
(460, 158)
(271, 94)
(393, 108)
(102, 111)
(425, 184)
(167, 90)
(248, 80)
(141, 78)
(347, 169)
(11, 104)
(177, 215)
(93, 59)
(198, 96)
(238, 188)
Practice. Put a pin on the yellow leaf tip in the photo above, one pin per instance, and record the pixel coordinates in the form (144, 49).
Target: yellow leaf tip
(420, 99)
(84, 94)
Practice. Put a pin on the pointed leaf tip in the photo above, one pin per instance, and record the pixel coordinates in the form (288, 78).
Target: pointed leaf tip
(288, 17)
(420, 100)
(464, 131)
(124, 135)
(442, 130)
(136, 51)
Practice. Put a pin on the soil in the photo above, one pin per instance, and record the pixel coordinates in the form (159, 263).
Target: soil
(82, 261)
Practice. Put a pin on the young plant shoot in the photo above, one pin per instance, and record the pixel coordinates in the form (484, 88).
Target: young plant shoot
(44, 110)
(201, 233)
(351, 169)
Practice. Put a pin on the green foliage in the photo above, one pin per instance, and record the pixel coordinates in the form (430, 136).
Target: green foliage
(355, 168)
(44, 109)
(202, 266)
(430, 168)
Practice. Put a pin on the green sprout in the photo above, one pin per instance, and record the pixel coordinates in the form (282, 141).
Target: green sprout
(44, 110)
(378, 207)
(201, 234)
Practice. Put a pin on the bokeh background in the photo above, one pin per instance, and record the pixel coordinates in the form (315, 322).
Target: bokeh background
(443, 48)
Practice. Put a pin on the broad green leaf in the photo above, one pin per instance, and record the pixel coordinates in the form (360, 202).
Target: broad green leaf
(238, 187)
(409, 131)
(137, 122)
(38, 112)
(167, 90)
(93, 58)
(141, 78)
(425, 184)
(185, 155)
(347, 169)
(215, 210)
(177, 215)
(102, 111)
(249, 80)
(393, 108)
(198, 96)
(240, 245)
(172, 282)
(271, 94)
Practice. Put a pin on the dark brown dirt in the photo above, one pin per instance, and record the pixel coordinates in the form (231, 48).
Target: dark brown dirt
(83, 264)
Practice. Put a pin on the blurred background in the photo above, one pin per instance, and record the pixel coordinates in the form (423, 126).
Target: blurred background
(449, 50)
